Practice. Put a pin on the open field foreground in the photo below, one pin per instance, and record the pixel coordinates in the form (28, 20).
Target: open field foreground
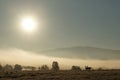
(63, 75)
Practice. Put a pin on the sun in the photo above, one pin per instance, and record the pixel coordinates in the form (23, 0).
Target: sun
(29, 24)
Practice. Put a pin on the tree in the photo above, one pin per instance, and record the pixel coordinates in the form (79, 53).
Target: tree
(100, 68)
(44, 68)
(55, 66)
(17, 67)
(39, 68)
(1, 67)
(33, 68)
(7, 69)
(76, 68)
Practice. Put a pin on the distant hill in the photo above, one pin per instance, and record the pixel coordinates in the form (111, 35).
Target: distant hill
(84, 53)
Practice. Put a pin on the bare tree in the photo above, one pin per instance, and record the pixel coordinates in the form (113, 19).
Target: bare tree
(55, 66)
(7, 69)
(33, 68)
(100, 69)
(1, 67)
(44, 68)
(39, 68)
(17, 68)
(76, 68)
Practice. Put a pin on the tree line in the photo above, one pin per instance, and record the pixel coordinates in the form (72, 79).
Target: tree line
(18, 68)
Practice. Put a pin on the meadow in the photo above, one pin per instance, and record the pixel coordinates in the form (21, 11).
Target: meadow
(63, 75)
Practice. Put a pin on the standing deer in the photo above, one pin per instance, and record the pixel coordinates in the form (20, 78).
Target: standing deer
(87, 68)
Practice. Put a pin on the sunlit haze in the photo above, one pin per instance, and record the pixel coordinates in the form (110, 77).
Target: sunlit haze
(28, 24)
(72, 32)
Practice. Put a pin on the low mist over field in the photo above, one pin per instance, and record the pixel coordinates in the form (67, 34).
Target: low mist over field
(19, 56)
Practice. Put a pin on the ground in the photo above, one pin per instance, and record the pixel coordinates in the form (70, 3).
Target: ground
(63, 75)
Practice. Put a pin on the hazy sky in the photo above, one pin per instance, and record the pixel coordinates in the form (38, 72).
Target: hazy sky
(64, 23)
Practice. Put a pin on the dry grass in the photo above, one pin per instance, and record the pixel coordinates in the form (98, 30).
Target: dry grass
(63, 75)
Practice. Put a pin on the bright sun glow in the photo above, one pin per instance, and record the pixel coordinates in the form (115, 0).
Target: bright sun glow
(29, 24)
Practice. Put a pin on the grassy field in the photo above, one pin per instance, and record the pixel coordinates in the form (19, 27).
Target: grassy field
(63, 75)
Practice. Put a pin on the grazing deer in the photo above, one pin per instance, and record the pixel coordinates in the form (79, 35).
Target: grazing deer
(88, 68)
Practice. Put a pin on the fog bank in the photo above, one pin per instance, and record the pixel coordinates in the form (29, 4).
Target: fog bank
(19, 56)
